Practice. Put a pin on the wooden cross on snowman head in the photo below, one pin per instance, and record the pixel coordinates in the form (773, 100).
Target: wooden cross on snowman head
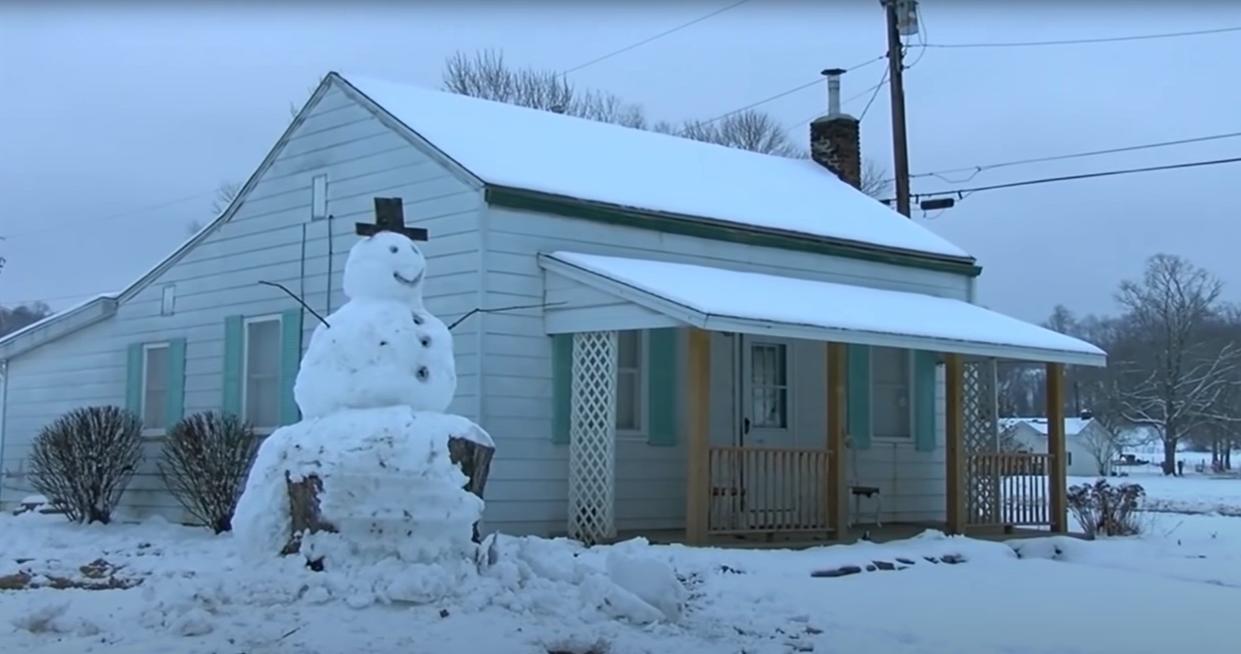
(390, 217)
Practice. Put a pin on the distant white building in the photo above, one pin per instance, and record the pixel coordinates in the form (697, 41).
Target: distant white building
(1031, 436)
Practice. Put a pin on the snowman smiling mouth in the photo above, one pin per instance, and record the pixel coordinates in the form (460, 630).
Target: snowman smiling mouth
(406, 281)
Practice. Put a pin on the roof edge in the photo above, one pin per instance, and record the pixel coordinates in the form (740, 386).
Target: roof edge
(36, 334)
(715, 229)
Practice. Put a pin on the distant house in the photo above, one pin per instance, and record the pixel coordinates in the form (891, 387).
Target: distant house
(714, 340)
(1030, 434)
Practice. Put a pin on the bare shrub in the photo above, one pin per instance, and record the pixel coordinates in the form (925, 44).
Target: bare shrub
(206, 458)
(1105, 509)
(84, 460)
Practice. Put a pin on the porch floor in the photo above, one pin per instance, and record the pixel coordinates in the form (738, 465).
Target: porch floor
(885, 533)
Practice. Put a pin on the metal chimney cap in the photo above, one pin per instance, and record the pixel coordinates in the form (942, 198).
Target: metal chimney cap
(828, 72)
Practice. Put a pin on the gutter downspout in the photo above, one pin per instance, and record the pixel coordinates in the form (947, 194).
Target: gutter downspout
(4, 404)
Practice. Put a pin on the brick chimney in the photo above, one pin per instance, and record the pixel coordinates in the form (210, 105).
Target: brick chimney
(835, 140)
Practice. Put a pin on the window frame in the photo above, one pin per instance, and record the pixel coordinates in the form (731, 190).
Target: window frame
(149, 432)
(245, 365)
(787, 363)
(318, 197)
(910, 396)
(643, 391)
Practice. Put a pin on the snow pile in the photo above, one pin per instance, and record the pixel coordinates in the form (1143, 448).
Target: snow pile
(389, 488)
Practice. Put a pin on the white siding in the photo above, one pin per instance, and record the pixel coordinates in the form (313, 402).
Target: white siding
(271, 237)
(529, 493)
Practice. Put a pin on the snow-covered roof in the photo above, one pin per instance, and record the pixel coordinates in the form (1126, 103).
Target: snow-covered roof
(1072, 426)
(528, 149)
(729, 300)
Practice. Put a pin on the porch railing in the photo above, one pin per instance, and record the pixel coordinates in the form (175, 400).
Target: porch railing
(1009, 489)
(762, 490)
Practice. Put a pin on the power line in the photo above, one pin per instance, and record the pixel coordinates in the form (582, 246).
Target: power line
(116, 216)
(1074, 155)
(791, 91)
(1113, 39)
(883, 80)
(963, 192)
(653, 38)
(875, 89)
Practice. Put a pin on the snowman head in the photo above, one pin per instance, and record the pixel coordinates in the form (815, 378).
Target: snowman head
(386, 266)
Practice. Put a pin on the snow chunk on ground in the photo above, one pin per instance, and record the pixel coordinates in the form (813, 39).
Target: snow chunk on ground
(389, 488)
(651, 580)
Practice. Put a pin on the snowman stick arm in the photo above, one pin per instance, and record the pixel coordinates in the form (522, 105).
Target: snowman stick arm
(299, 301)
(515, 307)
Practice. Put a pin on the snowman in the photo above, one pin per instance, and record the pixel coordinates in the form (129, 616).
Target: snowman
(375, 479)
(382, 347)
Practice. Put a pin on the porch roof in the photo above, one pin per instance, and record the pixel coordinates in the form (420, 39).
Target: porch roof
(718, 299)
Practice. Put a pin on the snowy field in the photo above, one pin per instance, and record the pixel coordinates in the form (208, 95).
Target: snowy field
(1193, 493)
(536, 595)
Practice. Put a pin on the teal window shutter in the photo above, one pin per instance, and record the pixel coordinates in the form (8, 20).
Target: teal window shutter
(859, 396)
(290, 360)
(233, 337)
(924, 400)
(174, 406)
(562, 387)
(661, 396)
(133, 379)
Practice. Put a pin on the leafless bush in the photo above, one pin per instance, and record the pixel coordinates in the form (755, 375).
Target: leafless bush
(1105, 509)
(84, 460)
(206, 458)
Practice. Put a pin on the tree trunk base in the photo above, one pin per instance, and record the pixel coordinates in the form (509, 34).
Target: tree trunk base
(304, 515)
(474, 460)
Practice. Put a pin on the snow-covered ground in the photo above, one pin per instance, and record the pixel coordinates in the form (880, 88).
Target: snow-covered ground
(197, 595)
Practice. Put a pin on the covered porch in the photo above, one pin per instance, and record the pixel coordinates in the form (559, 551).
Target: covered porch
(804, 490)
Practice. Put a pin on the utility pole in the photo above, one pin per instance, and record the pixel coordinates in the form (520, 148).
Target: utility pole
(901, 18)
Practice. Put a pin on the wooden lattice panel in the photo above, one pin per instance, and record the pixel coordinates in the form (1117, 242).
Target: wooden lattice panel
(981, 425)
(592, 438)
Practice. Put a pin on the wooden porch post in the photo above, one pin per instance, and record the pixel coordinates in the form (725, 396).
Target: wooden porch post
(1057, 477)
(837, 492)
(698, 473)
(954, 449)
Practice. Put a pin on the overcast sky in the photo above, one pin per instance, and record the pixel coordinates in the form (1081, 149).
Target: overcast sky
(117, 122)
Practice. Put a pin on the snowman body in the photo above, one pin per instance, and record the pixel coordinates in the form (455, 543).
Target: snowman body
(382, 348)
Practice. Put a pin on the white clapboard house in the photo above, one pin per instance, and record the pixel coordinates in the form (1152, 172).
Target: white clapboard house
(727, 343)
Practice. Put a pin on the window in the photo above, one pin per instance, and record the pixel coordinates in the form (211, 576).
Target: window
(261, 380)
(154, 387)
(168, 300)
(891, 408)
(769, 386)
(318, 197)
(629, 381)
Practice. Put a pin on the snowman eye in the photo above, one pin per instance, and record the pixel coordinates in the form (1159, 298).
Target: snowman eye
(392, 249)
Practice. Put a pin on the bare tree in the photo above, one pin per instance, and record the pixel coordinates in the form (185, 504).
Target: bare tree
(875, 180)
(1175, 382)
(224, 194)
(485, 75)
(15, 318)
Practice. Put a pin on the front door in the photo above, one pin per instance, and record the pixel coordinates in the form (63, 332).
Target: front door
(766, 417)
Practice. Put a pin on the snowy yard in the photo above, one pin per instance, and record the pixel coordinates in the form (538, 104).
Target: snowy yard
(1193, 493)
(196, 595)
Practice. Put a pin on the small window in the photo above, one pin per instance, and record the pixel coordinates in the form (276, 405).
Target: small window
(318, 197)
(261, 394)
(168, 300)
(891, 407)
(769, 385)
(154, 387)
(629, 381)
